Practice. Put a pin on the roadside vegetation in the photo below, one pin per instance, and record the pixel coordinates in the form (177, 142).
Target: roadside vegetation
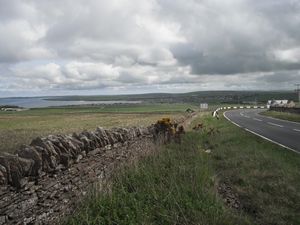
(283, 115)
(263, 176)
(175, 185)
(17, 128)
(227, 176)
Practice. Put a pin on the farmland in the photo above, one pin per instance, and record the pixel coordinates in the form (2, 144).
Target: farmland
(216, 97)
(17, 128)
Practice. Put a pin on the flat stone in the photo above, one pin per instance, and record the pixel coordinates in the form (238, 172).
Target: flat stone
(3, 219)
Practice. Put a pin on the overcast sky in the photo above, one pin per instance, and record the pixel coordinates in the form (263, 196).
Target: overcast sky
(58, 47)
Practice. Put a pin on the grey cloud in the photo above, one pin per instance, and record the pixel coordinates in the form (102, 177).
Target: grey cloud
(281, 77)
(126, 44)
(236, 36)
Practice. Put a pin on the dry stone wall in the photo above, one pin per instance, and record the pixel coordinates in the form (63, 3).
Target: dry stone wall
(42, 182)
(57, 152)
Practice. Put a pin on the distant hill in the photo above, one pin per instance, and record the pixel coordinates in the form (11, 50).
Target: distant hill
(230, 97)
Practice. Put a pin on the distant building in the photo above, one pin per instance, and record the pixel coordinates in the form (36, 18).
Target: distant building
(203, 106)
(12, 109)
(279, 103)
(291, 104)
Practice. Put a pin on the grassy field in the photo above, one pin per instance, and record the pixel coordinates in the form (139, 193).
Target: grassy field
(17, 128)
(179, 184)
(283, 115)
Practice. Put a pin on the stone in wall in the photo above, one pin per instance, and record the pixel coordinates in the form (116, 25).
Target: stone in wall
(16, 169)
(29, 152)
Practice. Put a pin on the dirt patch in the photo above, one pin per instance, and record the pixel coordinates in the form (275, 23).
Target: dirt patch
(230, 198)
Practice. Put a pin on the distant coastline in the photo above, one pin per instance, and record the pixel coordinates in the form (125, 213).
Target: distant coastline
(40, 102)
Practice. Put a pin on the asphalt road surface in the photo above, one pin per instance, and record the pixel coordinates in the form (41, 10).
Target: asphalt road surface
(282, 132)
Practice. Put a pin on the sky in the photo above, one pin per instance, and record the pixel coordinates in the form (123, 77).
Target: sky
(74, 47)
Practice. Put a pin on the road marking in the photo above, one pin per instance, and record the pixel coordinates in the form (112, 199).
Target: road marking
(230, 120)
(247, 116)
(275, 124)
(257, 119)
(275, 142)
(296, 130)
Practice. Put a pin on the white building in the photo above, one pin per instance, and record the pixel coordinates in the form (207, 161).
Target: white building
(203, 106)
(277, 103)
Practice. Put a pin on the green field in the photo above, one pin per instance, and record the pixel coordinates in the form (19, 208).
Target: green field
(283, 115)
(179, 184)
(17, 128)
(217, 97)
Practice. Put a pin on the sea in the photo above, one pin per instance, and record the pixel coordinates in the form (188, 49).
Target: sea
(39, 102)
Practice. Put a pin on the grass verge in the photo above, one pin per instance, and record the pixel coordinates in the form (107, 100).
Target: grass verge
(283, 115)
(180, 183)
(172, 186)
(263, 176)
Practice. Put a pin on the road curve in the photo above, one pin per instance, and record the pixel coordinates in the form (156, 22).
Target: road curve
(282, 132)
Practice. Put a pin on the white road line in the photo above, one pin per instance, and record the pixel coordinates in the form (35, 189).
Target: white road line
(275, 142)
(296, 130)
(257, 119)
(230, 120)
(268, 139)
(275, 124)
(247, 117)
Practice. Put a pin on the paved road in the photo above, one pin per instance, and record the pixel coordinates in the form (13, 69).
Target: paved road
(282, 132)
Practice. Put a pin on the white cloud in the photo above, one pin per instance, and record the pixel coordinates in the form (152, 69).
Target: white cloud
(132, 45)
(288, 55)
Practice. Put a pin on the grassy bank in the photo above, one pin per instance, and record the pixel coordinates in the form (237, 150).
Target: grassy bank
(173, 186)
(243, 180)
(17, 128)
(283, 115)
(263, 176)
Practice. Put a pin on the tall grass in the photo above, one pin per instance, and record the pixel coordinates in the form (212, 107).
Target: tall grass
(264, 176)
(283, 115)
(173, 186)
(179, 183)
